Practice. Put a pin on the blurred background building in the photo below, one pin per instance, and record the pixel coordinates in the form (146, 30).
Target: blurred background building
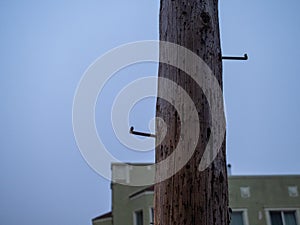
(254, 200)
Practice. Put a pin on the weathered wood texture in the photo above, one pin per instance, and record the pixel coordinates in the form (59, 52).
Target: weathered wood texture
(191, 197)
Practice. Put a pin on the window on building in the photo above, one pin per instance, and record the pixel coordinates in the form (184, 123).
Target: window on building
(283, 218)
(151, 215)
(138, 217)
(237, 218)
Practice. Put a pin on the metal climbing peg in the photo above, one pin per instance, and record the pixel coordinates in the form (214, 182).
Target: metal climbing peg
(245, 57)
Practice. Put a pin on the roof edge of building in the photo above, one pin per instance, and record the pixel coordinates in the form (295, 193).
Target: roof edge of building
(147, 189)
(107, 215)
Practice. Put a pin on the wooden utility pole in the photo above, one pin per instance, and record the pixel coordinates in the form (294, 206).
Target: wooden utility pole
(191, 197)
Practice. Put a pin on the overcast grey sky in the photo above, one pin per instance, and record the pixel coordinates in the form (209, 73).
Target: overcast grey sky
(47, 45)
